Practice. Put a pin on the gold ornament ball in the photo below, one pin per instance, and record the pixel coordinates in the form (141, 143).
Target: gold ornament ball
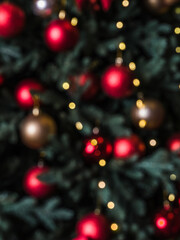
(159, 6)
(36, 131)
(150, 115)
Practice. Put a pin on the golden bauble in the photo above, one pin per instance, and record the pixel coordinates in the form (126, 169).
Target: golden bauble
(36, 131)
(149, 114)
(159, 6)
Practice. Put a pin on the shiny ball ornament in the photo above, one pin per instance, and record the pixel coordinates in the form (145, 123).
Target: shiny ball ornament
(117, 82)
(152, 113)
(96, 148)
(12, 20)
(94, 227)
(127, 147)
(174, 143)
(35, 187)
(36, 131)
(167, 223)
(1, 79)
(43, 8)
(23, 92)
(60, 35)
(87, 81)
(159, 6)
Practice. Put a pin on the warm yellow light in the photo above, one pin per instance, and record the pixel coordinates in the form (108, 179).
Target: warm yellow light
(66, 85)
(94, 142)
(110, 205)
(62, 14)
(35, 111)
(101, 184)
(114, 227)
(74, 21)
(79, 126)
(136, 82)
(139, 103)
(119, 60)
(72, 105)
(122, 46)
(142, 123)
(102, 163)
(125, 3)
(178, 49)
(177, 10)
(173, 177)
(119, 24)
(132, 66)
(177, 30)
(153, 142)
(171, 197)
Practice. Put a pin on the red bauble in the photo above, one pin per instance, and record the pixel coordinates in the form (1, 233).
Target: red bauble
(96, 148)
(33, 186)
(117, 82)
(94, 4)
(174, 143)
(81, 238)
(94, 227)
(60, 35)
(1, 79)
(88, 79)
(127, 147)
(23, 94)
(167, 222)
(12, 20)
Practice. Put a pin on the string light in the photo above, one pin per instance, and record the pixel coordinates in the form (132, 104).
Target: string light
(136, 82)
(132, 66)
(173, 177)
(153, 142)
(66, 85)
(122, 46)
(125, 3)
(72, 105)
(114, 227)
(96, 130)
(119, 61)
(101, 184)
(139, 103)
(102, 162)
(119, 25)
(142, 123)
(177, 49)
(171, 197)
(94, 142)
(74, 21)
(62, 14)
(177, 10)
(79, 125)
(35, 111)
(177, 30)
(110, 205)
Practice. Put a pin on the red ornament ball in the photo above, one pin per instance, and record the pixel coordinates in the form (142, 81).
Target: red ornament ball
(81, 238)
(33, 186)
(60, 35)
(96, 148)
(94, 227)
(87, 81)
(12, 20)
(117, 82)
(167, 222)
(94, 4)
(1, 79)
(174, 143)
(23, 94)
(127, 147)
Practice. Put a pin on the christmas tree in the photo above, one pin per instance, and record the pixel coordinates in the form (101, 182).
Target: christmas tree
(89, 120)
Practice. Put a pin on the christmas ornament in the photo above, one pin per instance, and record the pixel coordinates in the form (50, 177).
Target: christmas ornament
(94, 227)
(23, 92)
(81, 238)
(87, 81)
(1, 79)
(94, 4)
(43, 8)
(167, 222)
(117, 82)
(174, 143)
(36, 131)
(96, 148)
(35, 187)
(151, 112)
(60, 35)
(159, 6)
(12, 20)
(127, 147)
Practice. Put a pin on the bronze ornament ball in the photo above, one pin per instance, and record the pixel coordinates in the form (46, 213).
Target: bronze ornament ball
(36, 131)
(159, 6)
(149, 115)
